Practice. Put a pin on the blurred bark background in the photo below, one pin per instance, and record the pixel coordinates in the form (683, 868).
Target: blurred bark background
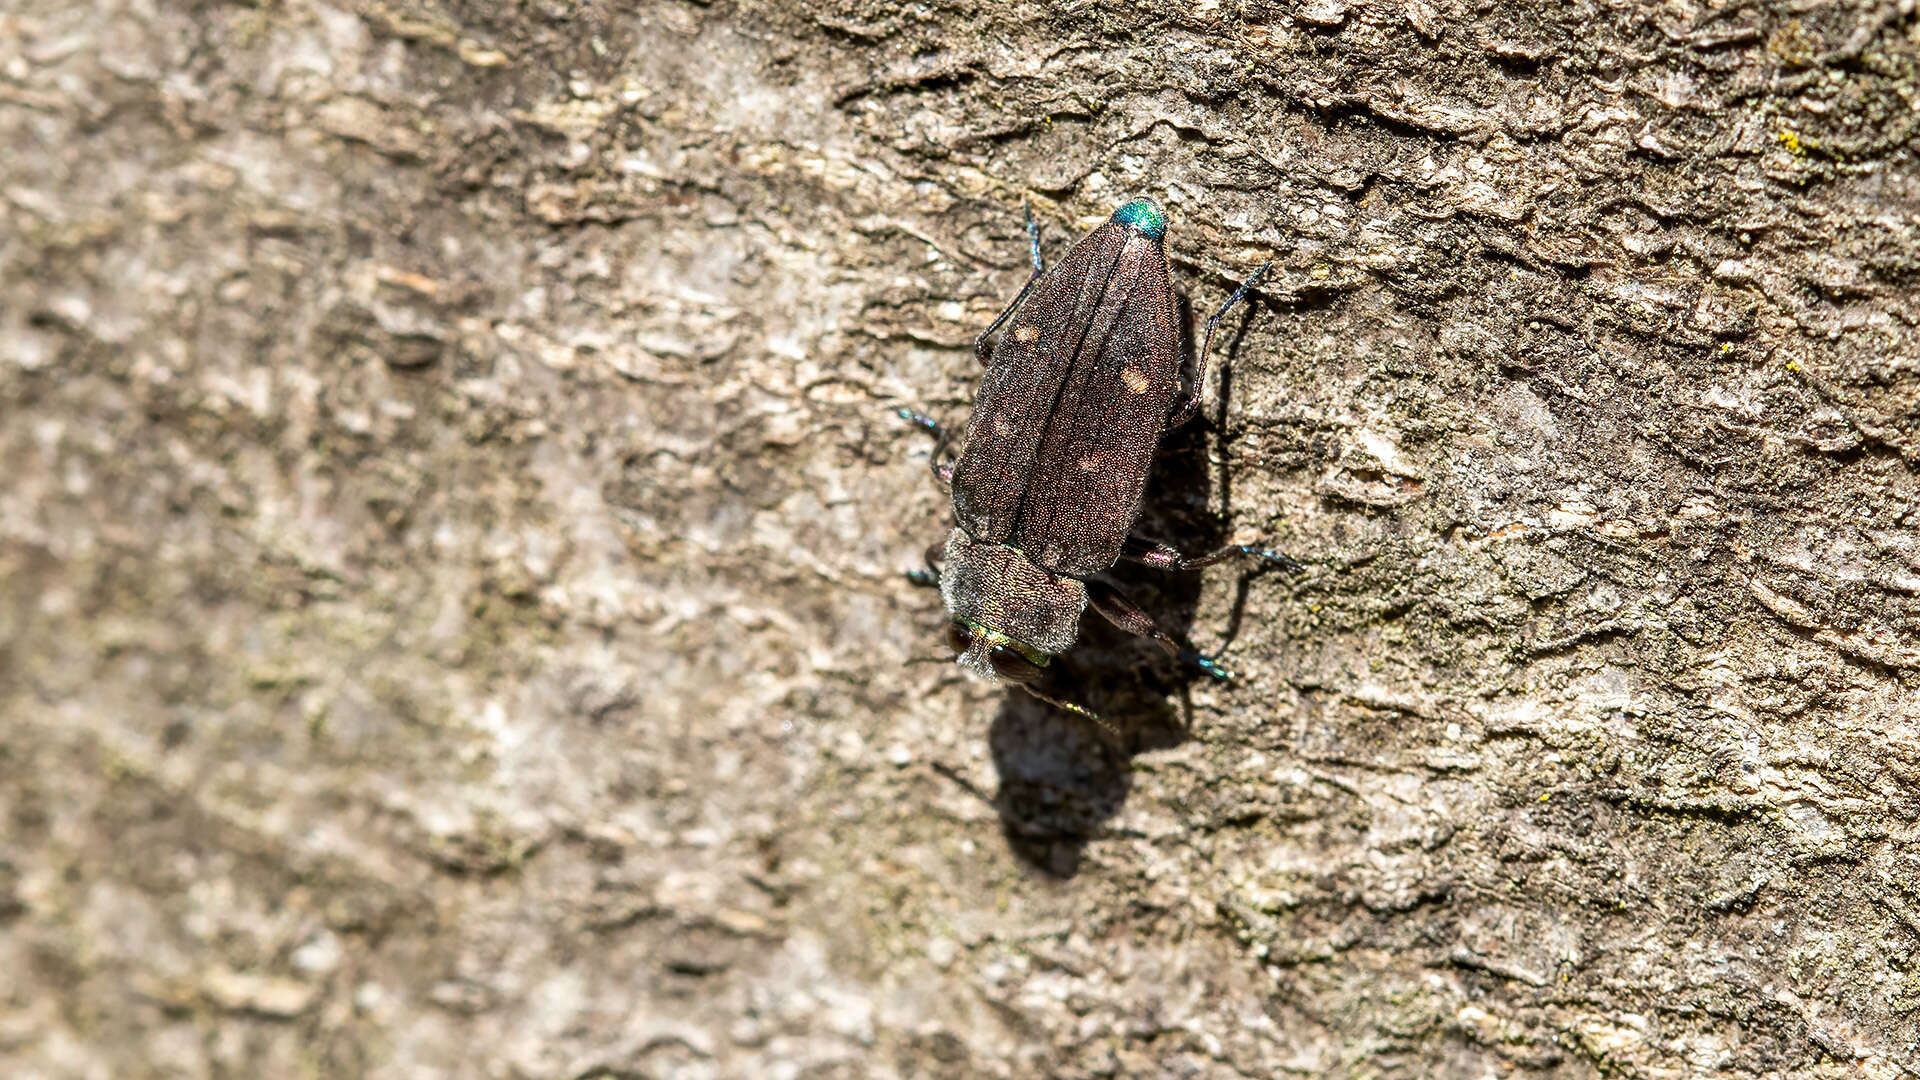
(453, 520)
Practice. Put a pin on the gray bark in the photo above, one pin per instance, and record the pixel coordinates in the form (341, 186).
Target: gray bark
(451, 612)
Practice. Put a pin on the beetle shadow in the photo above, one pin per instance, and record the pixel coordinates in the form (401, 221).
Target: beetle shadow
(1061, 776)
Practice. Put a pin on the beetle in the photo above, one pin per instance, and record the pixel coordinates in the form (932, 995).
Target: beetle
(1083, 376)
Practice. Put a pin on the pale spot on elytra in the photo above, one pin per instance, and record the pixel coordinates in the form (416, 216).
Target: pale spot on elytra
(1025, 333)
(1002, 426)
(1088, 464)
(1135, 379)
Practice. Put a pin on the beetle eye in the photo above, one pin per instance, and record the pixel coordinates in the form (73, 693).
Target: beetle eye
(1011, 666)
(959, 637)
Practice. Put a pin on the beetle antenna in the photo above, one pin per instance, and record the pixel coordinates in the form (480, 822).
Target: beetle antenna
(1078, 710)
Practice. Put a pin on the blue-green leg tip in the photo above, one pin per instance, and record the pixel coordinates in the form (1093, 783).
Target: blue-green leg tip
(1207, 664)
(1286, 562)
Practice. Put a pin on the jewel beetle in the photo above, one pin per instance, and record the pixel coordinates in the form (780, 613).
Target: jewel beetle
(1083, 374)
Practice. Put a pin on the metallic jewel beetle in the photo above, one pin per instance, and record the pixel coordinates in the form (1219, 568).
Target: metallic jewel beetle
(1081, 382)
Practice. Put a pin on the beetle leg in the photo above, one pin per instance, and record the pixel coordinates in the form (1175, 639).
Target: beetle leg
(936, 553)
(1184, 411)
(980, 350)
(1114, 607)
(1033, 241)
(942, 470)
(1148, 553)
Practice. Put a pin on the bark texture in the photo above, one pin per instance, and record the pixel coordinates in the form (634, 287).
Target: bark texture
(451, 612)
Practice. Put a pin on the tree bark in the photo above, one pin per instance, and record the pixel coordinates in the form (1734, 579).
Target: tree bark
(453, 620)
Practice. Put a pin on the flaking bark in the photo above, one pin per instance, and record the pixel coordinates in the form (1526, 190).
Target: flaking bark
(451, 613)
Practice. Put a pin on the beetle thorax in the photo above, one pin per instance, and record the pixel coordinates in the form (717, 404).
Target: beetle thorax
(1004, 600)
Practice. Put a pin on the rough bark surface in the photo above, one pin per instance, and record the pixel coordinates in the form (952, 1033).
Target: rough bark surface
(451, 610)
